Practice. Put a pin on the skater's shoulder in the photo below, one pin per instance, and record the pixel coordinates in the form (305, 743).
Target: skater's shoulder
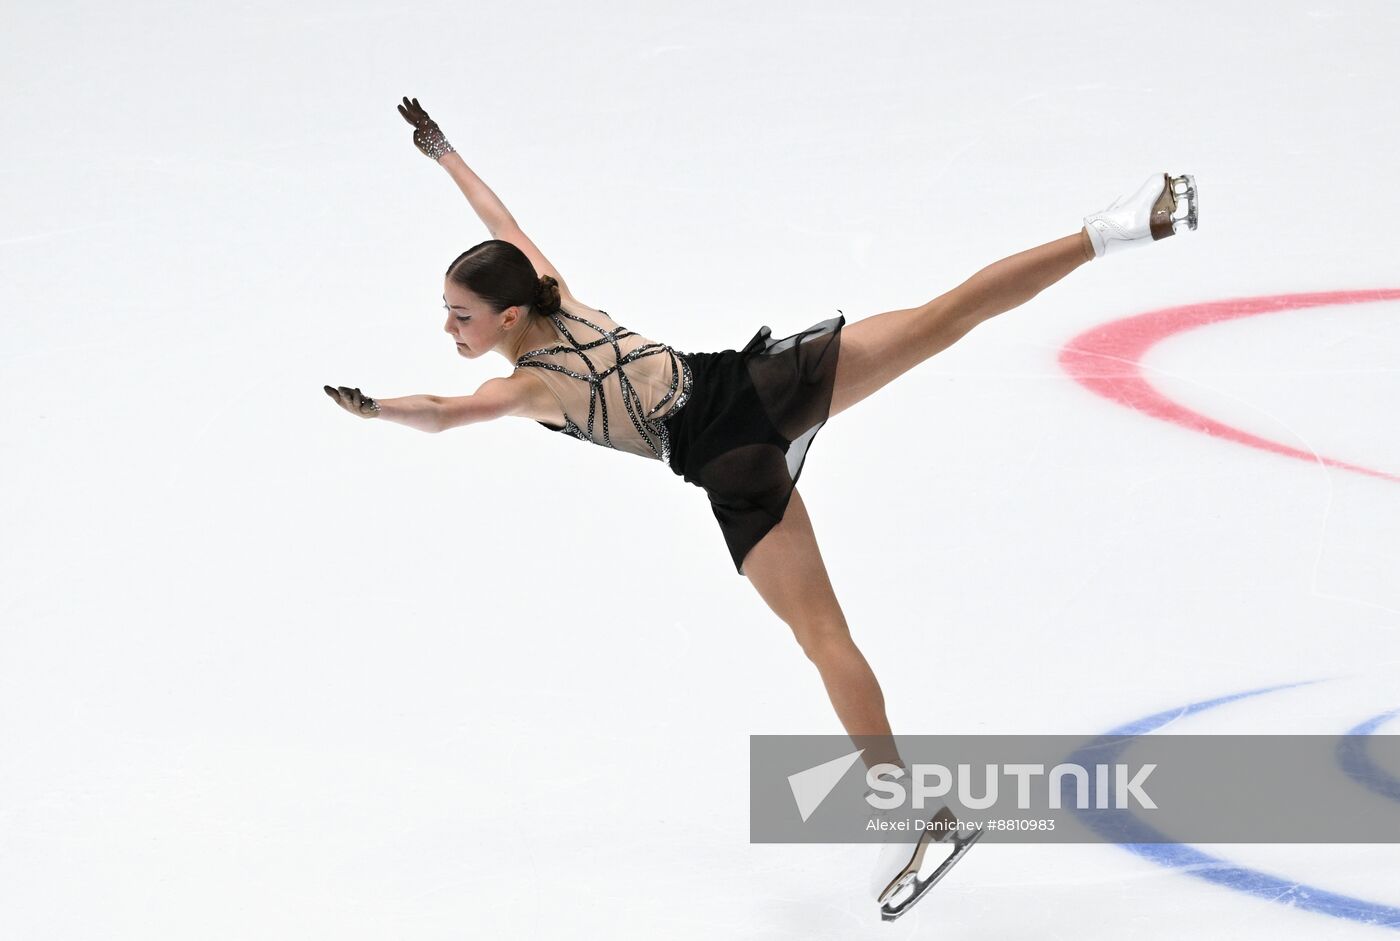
(575, 309)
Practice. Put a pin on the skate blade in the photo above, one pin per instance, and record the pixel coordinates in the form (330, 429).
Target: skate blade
(891, 910)
(1184, 190)
(911, 869)
(1176, 207)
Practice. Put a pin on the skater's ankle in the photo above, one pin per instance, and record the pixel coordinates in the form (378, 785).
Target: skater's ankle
(1087, 244)
(878, 750)
(887, 767)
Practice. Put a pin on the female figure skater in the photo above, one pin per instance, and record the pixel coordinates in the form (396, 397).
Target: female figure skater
(736, 423)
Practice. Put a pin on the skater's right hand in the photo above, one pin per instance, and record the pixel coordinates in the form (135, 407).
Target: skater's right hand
(353, 401)
(427, 136)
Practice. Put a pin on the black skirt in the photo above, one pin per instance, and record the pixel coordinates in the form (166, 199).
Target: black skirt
(743, 434)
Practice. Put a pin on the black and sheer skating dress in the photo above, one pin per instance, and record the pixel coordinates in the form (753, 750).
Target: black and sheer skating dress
(736, 423)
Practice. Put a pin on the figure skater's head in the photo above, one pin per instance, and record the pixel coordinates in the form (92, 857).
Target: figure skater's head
(490, 292)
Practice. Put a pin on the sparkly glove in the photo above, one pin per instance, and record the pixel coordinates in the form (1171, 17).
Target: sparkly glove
(353, 401)
(427, 136)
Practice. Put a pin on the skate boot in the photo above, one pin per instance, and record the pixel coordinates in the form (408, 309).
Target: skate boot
(904, 871)
(1162, 206)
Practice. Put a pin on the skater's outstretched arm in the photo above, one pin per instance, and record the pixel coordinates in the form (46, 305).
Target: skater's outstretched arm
(429, 139)
(433, 413)
(496, 398)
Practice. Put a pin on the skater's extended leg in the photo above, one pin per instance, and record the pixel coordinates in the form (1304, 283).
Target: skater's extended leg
(787, 569)
(877, 349)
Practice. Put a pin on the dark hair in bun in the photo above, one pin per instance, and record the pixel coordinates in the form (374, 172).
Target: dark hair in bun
(502, 276)
(547, 295)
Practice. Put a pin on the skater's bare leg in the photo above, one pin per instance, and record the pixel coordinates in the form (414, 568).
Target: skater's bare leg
(877, 349)
(787, 570)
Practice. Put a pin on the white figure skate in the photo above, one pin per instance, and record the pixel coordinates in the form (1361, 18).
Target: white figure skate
(1162, 206)
(903, 872)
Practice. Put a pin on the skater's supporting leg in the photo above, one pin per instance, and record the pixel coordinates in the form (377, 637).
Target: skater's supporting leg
(877, 349)
(787, 570)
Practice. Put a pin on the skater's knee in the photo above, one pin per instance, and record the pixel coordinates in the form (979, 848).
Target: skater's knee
(825, 640)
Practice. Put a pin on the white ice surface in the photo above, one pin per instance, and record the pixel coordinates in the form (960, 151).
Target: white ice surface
(267, 671)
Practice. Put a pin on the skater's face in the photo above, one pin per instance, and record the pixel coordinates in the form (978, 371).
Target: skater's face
(472, 324)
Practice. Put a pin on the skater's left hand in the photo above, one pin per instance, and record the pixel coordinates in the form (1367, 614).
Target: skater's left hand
(427, 136)
(353, 401)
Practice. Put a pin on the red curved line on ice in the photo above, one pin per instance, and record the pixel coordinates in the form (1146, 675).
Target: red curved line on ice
(1108, 360)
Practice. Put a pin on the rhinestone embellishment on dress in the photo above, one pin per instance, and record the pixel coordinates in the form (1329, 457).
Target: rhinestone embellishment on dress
(650, 428)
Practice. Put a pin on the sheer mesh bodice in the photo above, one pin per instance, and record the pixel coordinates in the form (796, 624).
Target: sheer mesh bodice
(616, 387)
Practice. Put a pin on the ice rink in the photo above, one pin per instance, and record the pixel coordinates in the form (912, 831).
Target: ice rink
(269, 671)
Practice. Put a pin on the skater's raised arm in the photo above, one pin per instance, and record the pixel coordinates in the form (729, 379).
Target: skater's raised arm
(429, 139)
(499, 222)
(489, 208)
